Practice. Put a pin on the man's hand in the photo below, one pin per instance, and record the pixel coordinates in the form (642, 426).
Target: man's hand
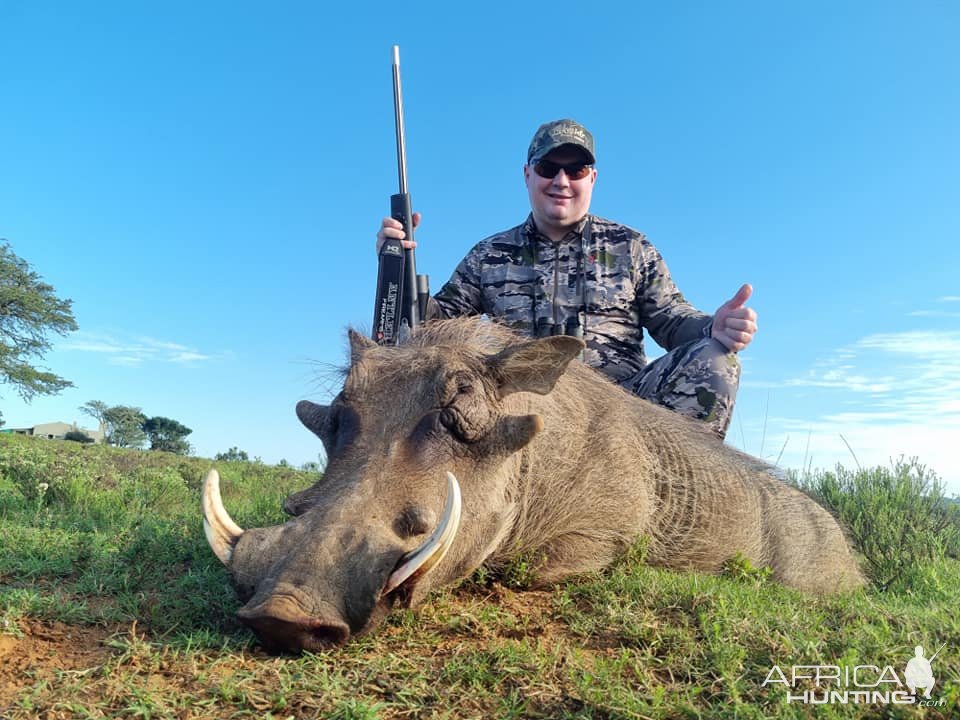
(391, 228)
(733, 324)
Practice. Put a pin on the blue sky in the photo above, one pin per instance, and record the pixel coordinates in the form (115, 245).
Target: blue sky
(204, 181)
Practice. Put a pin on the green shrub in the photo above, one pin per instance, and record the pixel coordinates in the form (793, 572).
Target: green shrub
(27, 470)
(898, 517)
(740, 568)
(521, 572)
(77, 436)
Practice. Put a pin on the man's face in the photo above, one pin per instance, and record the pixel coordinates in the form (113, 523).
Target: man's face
(559, 203)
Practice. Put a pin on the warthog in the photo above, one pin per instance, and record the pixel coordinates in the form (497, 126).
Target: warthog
(554, 462)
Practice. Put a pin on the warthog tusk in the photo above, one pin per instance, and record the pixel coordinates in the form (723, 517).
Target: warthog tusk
(425, 557)
(221, 531)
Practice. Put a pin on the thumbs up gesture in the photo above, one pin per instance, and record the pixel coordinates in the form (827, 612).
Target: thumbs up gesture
(734, 324)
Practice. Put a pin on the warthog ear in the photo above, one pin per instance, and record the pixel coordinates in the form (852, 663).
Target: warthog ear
(313, 416)
(359, 344)
(533, 366)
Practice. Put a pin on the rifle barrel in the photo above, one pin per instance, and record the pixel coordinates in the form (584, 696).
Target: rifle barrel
(398, 114)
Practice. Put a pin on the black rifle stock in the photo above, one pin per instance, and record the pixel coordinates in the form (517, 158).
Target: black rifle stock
(401, 293)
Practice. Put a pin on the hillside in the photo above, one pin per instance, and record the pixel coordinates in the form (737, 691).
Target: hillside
(112, 605)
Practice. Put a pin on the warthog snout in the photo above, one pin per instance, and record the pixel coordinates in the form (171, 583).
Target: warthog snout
(281, 625)
(341, 578)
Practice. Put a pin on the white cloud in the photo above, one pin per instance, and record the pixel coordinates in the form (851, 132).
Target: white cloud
(939, 313)
(840, 379)
(82, 344)
(161, 344)
(934, 313)
(125, 360)
(922, 343)
(135, 351)
(847, 419)
(187, 356)
(887, 394)
(912, 371)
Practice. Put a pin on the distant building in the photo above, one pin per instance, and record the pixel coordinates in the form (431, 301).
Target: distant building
(57, 431)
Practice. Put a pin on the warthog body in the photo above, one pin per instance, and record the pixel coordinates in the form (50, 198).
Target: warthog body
(554, 463)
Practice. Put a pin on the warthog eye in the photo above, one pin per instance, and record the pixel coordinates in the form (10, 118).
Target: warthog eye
(460, 383)
(436, 424)
(466, 412)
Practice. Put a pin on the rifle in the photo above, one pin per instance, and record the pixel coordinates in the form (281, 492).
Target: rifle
(401, 294)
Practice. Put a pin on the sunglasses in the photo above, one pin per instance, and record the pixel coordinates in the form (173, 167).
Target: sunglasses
(574, 171)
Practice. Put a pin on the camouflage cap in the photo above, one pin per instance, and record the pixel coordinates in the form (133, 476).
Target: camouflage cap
(555, 133)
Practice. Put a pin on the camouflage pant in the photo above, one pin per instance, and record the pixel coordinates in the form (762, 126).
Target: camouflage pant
(699, 380)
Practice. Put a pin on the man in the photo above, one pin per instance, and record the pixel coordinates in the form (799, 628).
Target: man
(564, 271)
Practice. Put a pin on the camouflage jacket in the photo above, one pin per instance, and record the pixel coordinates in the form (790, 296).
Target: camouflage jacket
(525, 279)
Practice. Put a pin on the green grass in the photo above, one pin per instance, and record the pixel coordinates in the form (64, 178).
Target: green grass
(112, 605)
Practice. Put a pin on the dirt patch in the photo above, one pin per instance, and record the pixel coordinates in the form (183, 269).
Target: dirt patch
(111, 671)
(45, 649)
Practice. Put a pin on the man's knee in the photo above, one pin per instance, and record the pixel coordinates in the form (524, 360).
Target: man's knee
(707, 363)
(702, 383)
(720, 362)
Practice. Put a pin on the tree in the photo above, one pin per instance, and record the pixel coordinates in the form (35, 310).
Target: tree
(168, 435)
(232, 455)
(29, 312)
(124, 426)
(97, 409)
